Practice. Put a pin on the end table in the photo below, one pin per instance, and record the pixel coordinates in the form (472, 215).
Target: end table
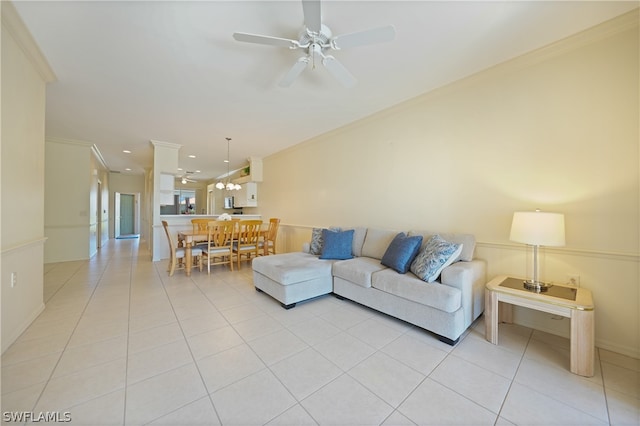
(570, 302)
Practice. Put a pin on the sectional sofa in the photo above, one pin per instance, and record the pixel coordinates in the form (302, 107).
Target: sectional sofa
(428, 279)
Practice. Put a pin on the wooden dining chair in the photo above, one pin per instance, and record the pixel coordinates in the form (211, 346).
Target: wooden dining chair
(247, 239)
(267, 243)
(219, 243)
(200, 225)
(177, 253)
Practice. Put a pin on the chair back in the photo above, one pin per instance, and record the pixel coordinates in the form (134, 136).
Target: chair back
(248, 233)
(172, 248)
(272, 232)
(200, 225)
(221, 233)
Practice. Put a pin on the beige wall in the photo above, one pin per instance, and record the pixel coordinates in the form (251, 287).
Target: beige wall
(73, 225)
(556, 129)
(24, 74)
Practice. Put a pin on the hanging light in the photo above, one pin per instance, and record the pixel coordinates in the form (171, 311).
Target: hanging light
(229, 186)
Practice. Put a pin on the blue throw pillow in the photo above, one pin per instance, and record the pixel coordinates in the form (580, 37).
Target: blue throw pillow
(337, 245)
(436, 255)
(401, 252)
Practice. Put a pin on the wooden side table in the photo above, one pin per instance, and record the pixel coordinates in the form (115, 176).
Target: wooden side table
(573, 303)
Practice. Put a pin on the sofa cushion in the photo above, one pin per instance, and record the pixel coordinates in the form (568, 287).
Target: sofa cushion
(468, 242)
(337, 245)
(292, 268)
(401, 252)
(376, 242)
(408, 286)
(357, 270)
(436, 255)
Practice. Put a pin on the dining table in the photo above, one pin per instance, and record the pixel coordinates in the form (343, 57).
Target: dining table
(188, 239)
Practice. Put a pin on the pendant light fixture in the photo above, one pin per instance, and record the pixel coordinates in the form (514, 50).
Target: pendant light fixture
(229, 186)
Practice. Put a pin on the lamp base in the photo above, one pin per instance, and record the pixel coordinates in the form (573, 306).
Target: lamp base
(537, 286)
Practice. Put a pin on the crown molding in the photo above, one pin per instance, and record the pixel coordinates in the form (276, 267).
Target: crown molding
(15, 25)
(165, 144)
(64, 141)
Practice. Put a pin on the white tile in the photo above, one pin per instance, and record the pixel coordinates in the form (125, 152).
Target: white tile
(154, 337)
(157, 360)
(28, 373)
(263, 399)
(294, 416)
(375, 333)
(343, 318)
(214, 341)
(80, 357)
(492, 357)
(241, 313)
(621, 379)
(481, 386)
(346, 402)
(305, 372)
(314, 330)
(277, 346)
(82, 386)
(344, 350)
(198, 413)
(388, 378)
(162, 394)
(229, 366)
(104, 410)
(526, 406)
(433, 404)
(257, 327)
(202, 323)
(415, 354)
(623, 408)
(573, 390)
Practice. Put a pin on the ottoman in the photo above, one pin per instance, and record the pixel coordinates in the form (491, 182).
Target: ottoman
(292, 277)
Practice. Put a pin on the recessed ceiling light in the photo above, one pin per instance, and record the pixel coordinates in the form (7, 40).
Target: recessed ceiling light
(192, 156)
(128, 169)
(197, 171)
(180, 168)
(126, 151)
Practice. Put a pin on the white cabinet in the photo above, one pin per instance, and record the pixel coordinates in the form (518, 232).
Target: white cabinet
(247, 196)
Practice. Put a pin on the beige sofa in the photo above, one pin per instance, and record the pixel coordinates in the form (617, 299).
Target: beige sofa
(446, 306)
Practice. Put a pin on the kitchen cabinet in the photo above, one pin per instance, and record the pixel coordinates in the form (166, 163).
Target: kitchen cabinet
(247, 196)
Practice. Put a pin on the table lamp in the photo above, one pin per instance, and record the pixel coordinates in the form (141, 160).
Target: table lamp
(537, 229)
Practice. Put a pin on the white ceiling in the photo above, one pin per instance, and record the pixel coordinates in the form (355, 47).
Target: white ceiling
(131, 72)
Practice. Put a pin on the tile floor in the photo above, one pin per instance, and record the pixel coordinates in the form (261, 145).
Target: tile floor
(121, 343)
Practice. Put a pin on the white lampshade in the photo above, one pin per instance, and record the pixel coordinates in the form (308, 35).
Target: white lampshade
(538, 228)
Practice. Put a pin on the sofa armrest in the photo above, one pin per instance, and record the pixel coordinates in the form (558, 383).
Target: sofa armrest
(470, 278)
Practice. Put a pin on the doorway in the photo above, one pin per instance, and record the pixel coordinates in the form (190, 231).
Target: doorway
(126, 215)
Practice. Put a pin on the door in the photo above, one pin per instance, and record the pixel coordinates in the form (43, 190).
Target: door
(126, 214)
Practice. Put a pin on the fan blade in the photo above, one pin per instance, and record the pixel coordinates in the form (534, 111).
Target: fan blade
(361, 38)
(339, 71)
(294, 72)
(312, 18)
(261, 39)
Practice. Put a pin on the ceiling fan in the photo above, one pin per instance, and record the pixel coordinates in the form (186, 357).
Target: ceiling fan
(184, 179)
(315, 39)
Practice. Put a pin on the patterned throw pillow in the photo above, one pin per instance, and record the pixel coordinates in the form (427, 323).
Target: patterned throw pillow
(401, 252)
(315, 246)
(436, 255)
(316, 242)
